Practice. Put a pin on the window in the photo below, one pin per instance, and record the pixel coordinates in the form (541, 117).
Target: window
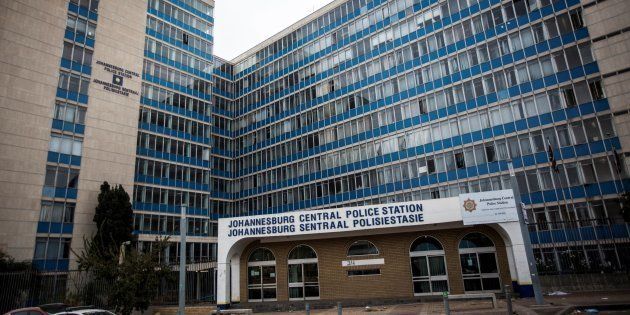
(480, 270)
(57, 212)
(428, 266)
(303, 274)
(364, 272)
(65, 145)
(70, 113)
(261, 276)
(52, 248)
(362, 248)
(597, 92)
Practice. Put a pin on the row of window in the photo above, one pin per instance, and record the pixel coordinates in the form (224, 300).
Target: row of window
(195, 252)
(73, 82)
(180, 15)
(65, 145)
(185, 59)
(173, 146)
(430, 72)
(61, 177)
(169, 225)
(91, 5)
(178, 100)
(481, 22)
(563, 215)
(80, 26)
(76, 53)
(432, 43)
(498, 82)
(200, 6)
(170, 197)
(569, 174)
(52, 248)
(578, 132)
(182, 37)
(176, 77)
(69, 113)
(57, 212)
(164, 170)
(476, 120)
(176, 123)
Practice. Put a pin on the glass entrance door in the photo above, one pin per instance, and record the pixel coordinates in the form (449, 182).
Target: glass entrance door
(429, 274)
(303, 281)
(261, 283)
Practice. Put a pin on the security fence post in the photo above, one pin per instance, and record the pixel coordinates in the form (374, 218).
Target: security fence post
(447, 308)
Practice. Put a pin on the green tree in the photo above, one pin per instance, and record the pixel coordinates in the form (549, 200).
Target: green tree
(132, 282)
(113, 217)
(8, 264)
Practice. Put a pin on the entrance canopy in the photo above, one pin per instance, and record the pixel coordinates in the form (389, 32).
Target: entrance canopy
(497, 207)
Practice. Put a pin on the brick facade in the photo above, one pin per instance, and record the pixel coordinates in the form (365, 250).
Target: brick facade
(395, 278)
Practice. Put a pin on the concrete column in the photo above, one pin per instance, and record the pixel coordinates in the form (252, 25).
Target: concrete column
(223, 283)
(235, 277)
(519, 267)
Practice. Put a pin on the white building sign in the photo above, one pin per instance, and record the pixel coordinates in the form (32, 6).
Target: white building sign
(488, 207)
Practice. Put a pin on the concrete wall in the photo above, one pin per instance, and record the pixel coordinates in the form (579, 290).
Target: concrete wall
(612, 52)
(31, 41)
(395, 279)
(109, 147)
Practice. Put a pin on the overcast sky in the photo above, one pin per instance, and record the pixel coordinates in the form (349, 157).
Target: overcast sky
(242, 24)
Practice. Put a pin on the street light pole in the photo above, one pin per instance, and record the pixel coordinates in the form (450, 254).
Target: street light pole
(529, 252)
(182, 261)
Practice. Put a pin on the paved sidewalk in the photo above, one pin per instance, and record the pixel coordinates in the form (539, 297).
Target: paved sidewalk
(457, 307)
(564, 304)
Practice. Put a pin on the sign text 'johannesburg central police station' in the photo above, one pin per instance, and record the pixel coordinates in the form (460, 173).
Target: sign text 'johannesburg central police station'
(332, 220)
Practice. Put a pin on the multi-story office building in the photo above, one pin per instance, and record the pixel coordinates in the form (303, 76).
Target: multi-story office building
(363, 102)
(113, 91)
(379, 102)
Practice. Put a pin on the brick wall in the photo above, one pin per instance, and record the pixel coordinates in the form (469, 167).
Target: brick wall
(395, 278)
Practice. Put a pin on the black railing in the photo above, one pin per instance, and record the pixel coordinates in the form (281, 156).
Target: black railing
(32, 288)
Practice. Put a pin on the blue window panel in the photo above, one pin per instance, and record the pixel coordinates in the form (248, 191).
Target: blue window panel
(545, 237)
(536, 197)
(602, 232)
(582, 149)
(51, 265)
(545, 119)
(559, 115)
(541, 157)
(587, 108)
(549, 196)
(572, 234)
(620, 230)
(509, 127)
(608, 188)
(597, 147)
(601, 105)
(577, 192)
(534, 238)
(529, 160)
(558, 236)
(587, 233)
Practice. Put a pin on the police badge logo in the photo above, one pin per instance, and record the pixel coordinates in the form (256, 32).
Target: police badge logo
(470, 205)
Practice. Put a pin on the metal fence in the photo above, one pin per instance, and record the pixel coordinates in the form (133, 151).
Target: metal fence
(32, 288)
(579, 247)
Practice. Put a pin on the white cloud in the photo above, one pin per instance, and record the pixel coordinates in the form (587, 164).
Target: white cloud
(242, 24)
